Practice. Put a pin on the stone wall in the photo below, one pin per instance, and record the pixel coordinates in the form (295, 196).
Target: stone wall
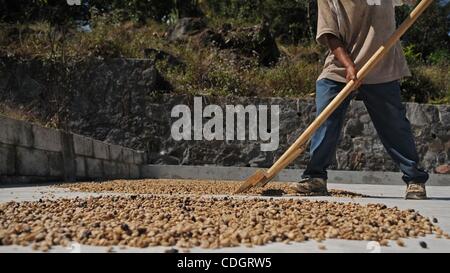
(359, 148)
(31, 153)
(117, 101)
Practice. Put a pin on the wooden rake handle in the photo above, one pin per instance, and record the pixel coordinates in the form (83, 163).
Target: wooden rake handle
(299, 145)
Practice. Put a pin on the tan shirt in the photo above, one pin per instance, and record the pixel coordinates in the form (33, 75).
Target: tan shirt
(363, 28)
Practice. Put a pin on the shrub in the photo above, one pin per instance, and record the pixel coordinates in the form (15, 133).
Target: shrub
(430, 32)
(439, 57)
(427, 84)
(413, 57)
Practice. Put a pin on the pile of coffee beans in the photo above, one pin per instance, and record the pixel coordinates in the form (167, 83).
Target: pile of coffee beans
(194, 221)
(200, 187)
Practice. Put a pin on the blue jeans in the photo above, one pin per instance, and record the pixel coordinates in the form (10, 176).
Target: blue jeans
(388, 115)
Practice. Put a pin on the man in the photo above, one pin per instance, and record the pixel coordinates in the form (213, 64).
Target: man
(353, 30)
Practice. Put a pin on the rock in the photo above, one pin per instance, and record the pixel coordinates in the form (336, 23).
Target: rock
(225, 28)
(160, 55)
(254, 40)
(443, 169)
(354, 128)
(185, 28)
(210, 38)
(364, 118)
(444, 114)
(30, 88)
(148, 77)
(416, 115)
(106, 49)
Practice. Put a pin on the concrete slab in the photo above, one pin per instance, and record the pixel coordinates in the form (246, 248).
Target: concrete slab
(123, 170)
(110, 169)
(15, 132)
(134, 171)
(46, 139)
(331, 246)
(80, 166)
(128, 155)
(391, 195)
(32, 162)
(241, 173)
(94, 167)
(115, 152)
(83, 145)
(7, 159)
(56, 164)
(101, 149)
(139, 157)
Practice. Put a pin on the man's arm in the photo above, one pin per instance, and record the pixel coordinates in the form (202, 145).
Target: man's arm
(337, 47)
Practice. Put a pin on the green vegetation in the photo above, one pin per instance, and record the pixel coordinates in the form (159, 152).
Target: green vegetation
(44, 29)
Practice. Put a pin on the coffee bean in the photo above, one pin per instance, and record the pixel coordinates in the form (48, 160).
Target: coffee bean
(125, 227)
(141, 231)
(423, 244)
(171, 250)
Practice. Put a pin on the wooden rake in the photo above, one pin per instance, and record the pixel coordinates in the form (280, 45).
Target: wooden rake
(261, 177)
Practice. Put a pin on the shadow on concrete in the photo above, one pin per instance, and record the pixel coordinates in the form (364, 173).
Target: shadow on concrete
(273, 192)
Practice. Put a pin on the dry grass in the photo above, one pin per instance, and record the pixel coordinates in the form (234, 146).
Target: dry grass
(207, 71)
(20, 114)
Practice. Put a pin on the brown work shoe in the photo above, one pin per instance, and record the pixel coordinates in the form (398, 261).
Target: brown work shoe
(416, 191)
(311, 186)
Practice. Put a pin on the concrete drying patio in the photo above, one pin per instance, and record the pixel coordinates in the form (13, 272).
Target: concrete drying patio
(391, 195)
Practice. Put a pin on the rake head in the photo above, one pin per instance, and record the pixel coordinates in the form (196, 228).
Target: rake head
(258, 179)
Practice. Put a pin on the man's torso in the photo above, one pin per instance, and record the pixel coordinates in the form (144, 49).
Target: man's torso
(363, 26)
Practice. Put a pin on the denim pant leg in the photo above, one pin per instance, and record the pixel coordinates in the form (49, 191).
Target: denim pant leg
(325, 139)
(388, 114)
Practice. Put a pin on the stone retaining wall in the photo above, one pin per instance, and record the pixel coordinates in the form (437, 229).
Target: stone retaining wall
(119, 101)
(359, 149)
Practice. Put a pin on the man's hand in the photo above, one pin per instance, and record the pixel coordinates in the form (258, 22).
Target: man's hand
(338, 49)
(352, 74)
